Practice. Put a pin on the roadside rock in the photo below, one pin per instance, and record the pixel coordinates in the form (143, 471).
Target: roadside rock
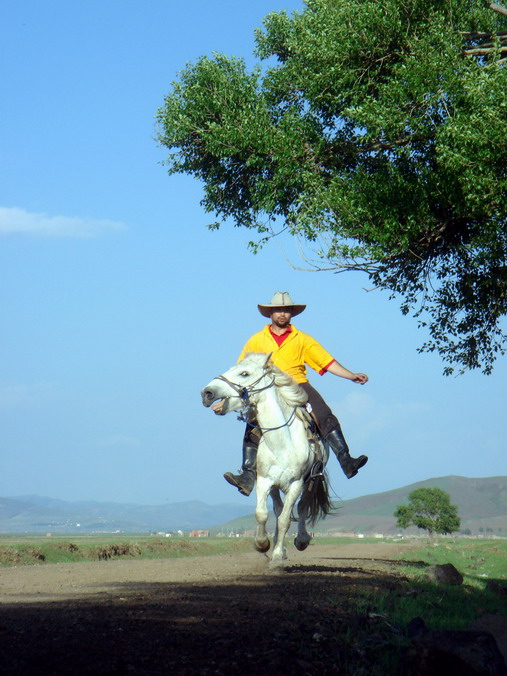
(441, 653)
(445, 574)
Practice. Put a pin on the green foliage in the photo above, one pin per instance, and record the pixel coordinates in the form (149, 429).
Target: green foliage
(376, 134)
(429, 509)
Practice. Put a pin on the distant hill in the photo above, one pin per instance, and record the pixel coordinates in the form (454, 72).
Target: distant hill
(35, 514)
(482, 507)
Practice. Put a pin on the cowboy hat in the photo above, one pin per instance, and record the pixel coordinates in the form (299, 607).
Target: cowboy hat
(281, 300)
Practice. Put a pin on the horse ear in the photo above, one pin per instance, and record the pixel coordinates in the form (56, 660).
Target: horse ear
(268, 357)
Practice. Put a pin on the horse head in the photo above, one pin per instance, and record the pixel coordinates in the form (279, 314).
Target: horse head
(235, 388)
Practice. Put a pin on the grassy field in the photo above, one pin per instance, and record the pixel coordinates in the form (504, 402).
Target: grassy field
(388, 607)
(483, 564)
(478, 560)
(30, 550)
(18, 550)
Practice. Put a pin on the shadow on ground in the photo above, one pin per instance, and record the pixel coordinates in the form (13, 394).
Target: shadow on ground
(302, 622)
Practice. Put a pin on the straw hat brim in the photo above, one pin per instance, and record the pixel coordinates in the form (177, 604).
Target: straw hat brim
(294, 310)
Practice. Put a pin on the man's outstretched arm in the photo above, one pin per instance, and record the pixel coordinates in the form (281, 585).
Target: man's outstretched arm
(338, 370)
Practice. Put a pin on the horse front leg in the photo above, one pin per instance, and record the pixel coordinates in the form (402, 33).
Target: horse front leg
(284, 522)
(261, 540)
(277, 509)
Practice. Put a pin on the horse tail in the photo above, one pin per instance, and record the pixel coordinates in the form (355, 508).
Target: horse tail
(316, 499)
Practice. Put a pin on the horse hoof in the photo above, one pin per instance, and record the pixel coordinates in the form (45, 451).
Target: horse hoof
(276, 566)
(300, 545)
(262, 547)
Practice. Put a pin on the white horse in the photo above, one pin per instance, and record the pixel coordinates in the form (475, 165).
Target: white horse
(291, 458)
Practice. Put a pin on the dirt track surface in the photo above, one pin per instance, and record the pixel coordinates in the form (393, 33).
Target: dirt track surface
(219, 615)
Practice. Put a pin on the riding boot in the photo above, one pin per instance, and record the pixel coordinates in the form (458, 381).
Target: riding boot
(349, 465)
(245, 481)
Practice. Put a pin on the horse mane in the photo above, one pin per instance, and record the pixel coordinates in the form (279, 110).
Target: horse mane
(290, 391)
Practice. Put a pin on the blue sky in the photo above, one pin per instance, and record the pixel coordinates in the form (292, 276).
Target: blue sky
(118, 305)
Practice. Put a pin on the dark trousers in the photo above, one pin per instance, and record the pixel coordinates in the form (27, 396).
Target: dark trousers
(326, 420)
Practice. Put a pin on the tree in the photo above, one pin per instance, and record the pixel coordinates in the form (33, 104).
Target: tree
(375, 133)
(429, 509)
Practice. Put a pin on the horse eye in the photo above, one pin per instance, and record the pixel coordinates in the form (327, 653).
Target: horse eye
(244, 374)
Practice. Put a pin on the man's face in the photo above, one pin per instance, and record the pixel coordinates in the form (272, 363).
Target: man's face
(280, 317)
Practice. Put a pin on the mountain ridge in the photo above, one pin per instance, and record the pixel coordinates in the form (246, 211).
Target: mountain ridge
(481, 502)
(34, 513)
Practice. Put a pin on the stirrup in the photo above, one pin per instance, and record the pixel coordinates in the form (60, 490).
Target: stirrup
(316, 471)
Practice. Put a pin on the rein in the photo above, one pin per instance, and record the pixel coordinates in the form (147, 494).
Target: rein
(241, 418)
(245, 392)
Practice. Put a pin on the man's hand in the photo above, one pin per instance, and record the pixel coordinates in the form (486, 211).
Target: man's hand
(360, 378)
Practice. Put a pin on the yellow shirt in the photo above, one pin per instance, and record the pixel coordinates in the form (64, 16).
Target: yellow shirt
(291, 356)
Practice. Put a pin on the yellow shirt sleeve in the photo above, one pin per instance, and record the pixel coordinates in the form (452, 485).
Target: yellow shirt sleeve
(315, 355)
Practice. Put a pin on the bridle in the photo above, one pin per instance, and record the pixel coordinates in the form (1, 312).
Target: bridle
(248, 408)
(245, 392)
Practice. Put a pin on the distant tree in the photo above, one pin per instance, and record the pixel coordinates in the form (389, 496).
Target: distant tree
(429, 509)
(375, 133)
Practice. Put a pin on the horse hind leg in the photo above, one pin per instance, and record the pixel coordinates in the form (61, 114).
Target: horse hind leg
(303, 538)
(314, 504)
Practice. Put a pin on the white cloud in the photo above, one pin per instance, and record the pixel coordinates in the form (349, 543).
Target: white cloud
(22, 395)
(367, 417)
(19, 221)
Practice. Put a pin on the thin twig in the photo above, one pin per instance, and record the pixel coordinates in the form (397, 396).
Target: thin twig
(498, 8)
(484, 52)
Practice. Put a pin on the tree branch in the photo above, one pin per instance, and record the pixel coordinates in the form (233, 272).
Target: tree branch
(498, 8)
(484, 51)
(476, 36)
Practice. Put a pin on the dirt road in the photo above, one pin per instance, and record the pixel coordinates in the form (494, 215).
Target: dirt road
(208, 615)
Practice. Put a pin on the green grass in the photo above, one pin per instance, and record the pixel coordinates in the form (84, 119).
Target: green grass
(389, 603)
(30, 550)
(20, 550)
(477, 560)
(444, 606)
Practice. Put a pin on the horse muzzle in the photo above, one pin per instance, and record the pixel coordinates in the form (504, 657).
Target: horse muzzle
(208, 397)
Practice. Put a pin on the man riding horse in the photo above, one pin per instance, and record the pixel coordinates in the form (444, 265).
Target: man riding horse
(290, 350)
